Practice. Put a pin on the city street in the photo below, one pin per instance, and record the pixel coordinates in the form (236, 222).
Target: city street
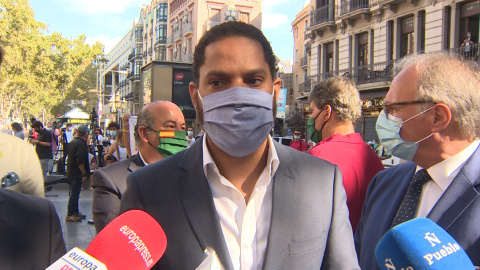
(75, 234)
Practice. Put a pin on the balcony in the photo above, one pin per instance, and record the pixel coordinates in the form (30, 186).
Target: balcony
(131, 56)
(130, 75)
(170, 40)
(150, 51)
(177, 35)
(138, 40)
(353, 9)
(322, 15)
(321, 19)
(306, 86)
(304, 61)
(145, 53)
(187, 29)
(138, 56)
(136, 77)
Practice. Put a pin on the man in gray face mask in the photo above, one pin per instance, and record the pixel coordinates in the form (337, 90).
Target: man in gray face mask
(256, 203)
(431, 116)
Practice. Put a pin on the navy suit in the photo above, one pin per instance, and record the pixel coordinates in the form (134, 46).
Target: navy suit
(457, 211)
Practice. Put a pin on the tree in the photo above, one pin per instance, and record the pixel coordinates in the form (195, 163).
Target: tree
(41, 70)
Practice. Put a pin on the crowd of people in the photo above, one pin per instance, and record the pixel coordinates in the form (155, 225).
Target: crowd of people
(262, 205)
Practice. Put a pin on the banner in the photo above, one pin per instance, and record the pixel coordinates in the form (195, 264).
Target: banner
(281, 103)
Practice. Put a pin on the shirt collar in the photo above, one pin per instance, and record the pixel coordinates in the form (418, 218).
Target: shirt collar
(445, 171)
(141, 157)
(272, 160)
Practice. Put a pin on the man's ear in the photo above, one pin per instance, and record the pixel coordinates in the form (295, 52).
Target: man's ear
(192, 88)
(277, 83)
(142, 133)
(328, 110)
(442, 117)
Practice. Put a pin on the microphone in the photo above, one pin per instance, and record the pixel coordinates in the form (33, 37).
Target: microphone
(133, 240)
(420, 244)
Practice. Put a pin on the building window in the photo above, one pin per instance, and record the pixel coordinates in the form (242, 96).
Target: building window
(160, 53)
(161, 33)
(329, 57)
(447, 27)
(421, 31)
(390, 37)
(407, 38)
(215, 15)
(469, 21)
(244, 17)
(162, 12)
(362, 50)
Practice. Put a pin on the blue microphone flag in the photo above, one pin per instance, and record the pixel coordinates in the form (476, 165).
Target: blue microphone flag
(420, 244)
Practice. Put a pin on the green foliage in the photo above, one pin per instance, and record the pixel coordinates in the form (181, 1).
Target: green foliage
(41, 70)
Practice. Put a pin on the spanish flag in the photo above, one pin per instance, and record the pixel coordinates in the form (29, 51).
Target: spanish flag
(166, 134)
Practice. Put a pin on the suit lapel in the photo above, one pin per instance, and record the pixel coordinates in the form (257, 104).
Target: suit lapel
(198, 204)
(461, 193)
(135, 163)
(284, 194)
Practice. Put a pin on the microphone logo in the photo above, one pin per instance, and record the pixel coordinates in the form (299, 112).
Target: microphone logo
(390, 266)
(432, 238)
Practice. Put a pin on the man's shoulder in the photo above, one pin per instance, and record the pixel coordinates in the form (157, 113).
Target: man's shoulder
(24, 203)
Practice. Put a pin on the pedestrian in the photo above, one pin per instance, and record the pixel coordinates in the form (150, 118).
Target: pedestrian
(18, 130)
(43, 146)
(336, 107)
(78, 171)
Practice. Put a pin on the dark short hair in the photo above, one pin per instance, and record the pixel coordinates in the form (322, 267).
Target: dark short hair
(113, 125)
(16, 126)
(37, 124)
(232, 29)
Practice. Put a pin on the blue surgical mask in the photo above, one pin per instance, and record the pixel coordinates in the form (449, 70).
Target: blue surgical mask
(388, 131)
(238, 120)
(190, 133)
(296, 137)
(113, 133)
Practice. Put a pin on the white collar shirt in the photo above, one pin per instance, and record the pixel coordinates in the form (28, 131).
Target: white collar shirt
(442, 175)
(245, 226)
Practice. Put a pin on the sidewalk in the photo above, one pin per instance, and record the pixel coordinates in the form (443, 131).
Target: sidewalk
(75, 234)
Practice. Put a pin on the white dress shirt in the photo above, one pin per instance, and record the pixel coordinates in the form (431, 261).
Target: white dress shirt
(245, 226)
(442, 175)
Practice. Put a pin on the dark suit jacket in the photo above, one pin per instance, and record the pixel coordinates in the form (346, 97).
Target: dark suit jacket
(30, 232)
(457, 211)
(109, 184)
(309, 227)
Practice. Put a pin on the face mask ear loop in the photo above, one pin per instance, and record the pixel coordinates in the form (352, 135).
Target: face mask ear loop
(418, 114)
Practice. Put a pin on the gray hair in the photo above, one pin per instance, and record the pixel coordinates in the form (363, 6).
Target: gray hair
(145, 118)
(341, 94)
(448, 79)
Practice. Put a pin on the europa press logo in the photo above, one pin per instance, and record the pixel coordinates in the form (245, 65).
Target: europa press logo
(179, 76)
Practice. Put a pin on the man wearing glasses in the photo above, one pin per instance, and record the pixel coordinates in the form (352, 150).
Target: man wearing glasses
(297, 142)
(431, 118)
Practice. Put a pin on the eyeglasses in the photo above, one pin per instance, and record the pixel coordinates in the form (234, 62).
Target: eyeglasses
(10, 179)
(297, 134)
(387, 106)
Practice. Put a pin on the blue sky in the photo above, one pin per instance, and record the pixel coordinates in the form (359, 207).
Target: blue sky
(109, 20)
